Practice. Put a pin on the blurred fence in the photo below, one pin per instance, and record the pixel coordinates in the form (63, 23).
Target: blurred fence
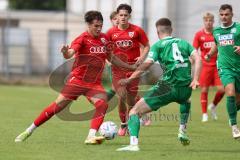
(30, 40)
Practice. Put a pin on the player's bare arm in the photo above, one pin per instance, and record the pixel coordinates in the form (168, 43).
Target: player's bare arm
(144, 52)
(237, 49)
(118, 62)
(197, 65)
(67, 52)
(212, 51)
(136, 74)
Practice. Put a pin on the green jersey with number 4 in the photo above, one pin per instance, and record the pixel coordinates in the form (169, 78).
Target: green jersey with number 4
(226, 38)
(173, 54)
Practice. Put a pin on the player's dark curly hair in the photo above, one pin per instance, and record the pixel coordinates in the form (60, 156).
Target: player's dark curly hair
(225, 6)
(124, 7)
(93, 15)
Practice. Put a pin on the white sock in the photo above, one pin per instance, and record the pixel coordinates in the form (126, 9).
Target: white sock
(92, 132)
(133, 140)
(234, 127)
(182, 127)
(31, 128)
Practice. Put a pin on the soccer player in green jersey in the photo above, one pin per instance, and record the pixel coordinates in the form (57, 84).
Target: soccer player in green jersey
(174, 54)
(227, 42)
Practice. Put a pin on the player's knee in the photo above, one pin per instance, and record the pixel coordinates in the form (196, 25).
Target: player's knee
(134, 110)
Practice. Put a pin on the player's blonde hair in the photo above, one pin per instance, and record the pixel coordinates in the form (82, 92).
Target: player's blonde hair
(208, 15)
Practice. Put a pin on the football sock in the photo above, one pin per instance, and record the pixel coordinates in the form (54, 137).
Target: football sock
(218, 97)
(110, 94)
(47, 113)
(134, 125)
(92, 132)
(123, 114)
(232, 110)
(31, 128)
(101, 108)
(182, 127)
(133, 140)
(204, 101)
(184, 112)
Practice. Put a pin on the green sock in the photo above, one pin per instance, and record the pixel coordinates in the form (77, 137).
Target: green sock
(184, 112)
(134, 125)
(110, 94)
(232, 110)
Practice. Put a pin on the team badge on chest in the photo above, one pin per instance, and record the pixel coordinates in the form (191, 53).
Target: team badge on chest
(131, 34)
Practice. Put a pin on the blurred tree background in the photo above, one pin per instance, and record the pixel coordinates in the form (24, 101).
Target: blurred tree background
(55, 5)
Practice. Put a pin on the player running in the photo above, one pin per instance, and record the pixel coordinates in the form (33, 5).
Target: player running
(175, 86)
(127, 39)
(227, 43)
(90, 51)
(204, 40)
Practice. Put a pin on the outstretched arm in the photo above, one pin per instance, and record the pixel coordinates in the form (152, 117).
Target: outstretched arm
(144, 52)
(137, 73)
(118, 62)
(67, 52)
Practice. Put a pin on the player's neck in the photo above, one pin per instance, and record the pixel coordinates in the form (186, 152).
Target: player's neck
(208, 30)
(123, 26)
(226, 25)
(165, 36)
(91, 34)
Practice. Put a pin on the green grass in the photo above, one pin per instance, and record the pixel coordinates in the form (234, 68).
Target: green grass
(62, 140)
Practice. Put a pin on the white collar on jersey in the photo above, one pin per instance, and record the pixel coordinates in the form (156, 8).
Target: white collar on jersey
(227, 26)
(167, 37)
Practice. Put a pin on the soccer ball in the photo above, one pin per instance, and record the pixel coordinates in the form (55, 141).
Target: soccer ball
(108, 130)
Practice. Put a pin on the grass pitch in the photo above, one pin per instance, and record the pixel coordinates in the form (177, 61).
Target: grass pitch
(62, 140)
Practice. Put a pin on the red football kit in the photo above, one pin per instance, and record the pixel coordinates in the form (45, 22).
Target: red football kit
(127, 47)
(209, 75)
(86, 75)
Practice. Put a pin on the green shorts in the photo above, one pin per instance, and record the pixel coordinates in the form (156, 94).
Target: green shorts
(228, 76)
(161, 94)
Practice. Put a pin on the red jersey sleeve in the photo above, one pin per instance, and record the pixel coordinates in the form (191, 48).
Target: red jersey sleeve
(77, 44)
(143, 39)
(196, 41)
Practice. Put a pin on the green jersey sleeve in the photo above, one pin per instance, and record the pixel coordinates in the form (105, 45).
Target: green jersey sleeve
(154, 53)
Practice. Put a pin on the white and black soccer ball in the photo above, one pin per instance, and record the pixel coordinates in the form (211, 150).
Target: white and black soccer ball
(108, 130)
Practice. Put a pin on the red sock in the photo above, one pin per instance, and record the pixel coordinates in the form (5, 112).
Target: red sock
(47, 113)
(122, 111)
(101, 108)
(122, 116)
(218, 97)
(204, 101)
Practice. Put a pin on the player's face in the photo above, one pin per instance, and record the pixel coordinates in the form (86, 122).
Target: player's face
(115, 21)
(226, 17)
(208, 23)
(123, 17)
(95, 28)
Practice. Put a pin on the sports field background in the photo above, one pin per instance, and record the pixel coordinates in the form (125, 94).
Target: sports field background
(60, 140)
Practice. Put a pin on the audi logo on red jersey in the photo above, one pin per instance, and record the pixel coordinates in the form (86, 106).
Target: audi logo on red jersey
(124, 43)
(98, 49)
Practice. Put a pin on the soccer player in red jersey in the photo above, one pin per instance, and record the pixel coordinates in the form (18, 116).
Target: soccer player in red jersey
(204, 40)
(90, 50)
(128, 39)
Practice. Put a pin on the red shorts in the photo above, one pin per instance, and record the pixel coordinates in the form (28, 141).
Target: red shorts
(132, 88)
(76, 87)
(209, 77)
